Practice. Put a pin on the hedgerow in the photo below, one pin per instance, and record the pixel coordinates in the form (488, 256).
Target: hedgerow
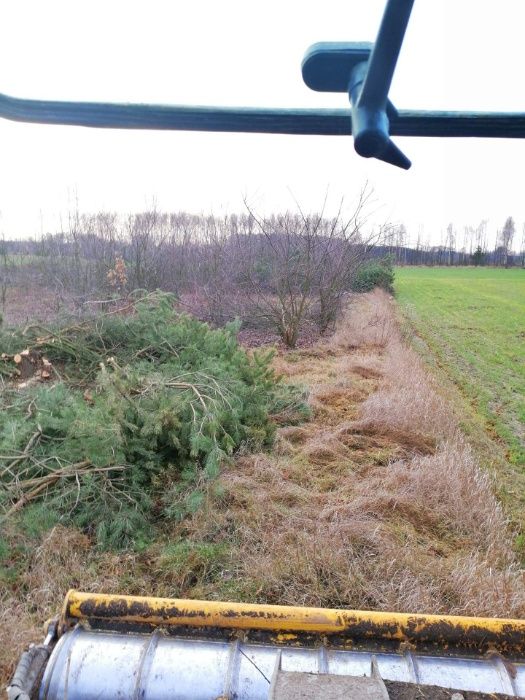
(141, 410)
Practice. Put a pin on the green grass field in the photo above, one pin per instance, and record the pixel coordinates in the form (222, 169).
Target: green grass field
(473, 322)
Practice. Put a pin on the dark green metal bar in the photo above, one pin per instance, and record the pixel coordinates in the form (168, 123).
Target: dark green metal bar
(369, 84)
(385, 53)
(498, 125)
(176, 117)
(324, 122)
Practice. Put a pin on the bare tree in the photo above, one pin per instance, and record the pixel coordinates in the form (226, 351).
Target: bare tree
(5, 270)
(450, 243)
(214, 273)
(507, 236)
(297, 268)
(401, 238)
(522, 252)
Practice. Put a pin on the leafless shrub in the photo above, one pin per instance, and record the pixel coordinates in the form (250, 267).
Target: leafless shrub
(296, 267)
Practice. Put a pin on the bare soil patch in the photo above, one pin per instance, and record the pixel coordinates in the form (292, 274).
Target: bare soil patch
(31, 302)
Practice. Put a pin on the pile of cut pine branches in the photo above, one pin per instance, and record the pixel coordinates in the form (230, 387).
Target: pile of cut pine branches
(135, 413)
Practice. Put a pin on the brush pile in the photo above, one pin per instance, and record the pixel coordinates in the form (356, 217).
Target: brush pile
(118, 422)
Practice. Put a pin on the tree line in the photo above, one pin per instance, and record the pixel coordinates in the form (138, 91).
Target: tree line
(287, 272)
(284, 272)
(475, 245)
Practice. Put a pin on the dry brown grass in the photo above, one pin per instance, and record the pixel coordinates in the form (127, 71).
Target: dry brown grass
(408, 400)
(63, 559)
(377, 502)
(395, 538)
(369, 323)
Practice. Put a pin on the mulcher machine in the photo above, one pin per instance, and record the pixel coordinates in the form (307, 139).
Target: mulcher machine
(106, 646)
(109, 646)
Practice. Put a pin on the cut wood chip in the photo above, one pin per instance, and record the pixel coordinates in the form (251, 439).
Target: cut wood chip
(17, 358)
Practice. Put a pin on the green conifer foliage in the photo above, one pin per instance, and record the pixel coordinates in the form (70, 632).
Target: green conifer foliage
(143, 409)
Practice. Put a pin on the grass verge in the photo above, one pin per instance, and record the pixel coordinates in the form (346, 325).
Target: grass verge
(468, 325)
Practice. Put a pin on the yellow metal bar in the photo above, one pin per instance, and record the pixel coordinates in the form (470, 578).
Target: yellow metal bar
(505, 635)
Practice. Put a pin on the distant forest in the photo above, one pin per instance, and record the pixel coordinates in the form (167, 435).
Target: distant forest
(474, 245)
(287, 274)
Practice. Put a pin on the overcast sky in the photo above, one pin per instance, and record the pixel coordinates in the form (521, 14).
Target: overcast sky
(458, 54)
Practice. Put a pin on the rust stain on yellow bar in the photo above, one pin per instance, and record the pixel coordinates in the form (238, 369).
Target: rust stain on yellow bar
(497, 633)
